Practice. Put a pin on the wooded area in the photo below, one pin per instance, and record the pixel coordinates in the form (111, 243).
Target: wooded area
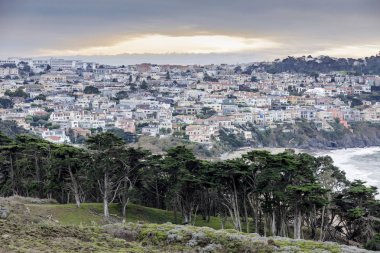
(285, 194)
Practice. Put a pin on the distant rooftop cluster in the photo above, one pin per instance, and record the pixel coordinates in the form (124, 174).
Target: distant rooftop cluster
(66, 100)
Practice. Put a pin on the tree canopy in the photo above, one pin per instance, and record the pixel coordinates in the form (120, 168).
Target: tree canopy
(285, 194)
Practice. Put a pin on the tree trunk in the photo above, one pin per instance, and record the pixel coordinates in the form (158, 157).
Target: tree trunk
(75, 188)
(283, 223)
(297, 224)
(254, 205)
(236, 207)
(175, 212)
(105, 196)
(125, 198)
(12, 176)
(265, 225)
(209, 206)
(246, 214)
(232, 211)
(313, 223)
(322, 235)
(124, 211)
(186, 219)
(195, 215)
(273, 227)
(157, 196)
(38, 175)
(105, 207)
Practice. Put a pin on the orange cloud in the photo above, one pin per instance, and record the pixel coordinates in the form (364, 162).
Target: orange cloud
(164, 44)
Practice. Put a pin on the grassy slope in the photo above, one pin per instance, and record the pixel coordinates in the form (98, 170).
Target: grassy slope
(91, 213)
(65, 228)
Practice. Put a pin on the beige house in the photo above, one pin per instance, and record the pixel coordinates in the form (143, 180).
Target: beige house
(127, 125)
(199, 133)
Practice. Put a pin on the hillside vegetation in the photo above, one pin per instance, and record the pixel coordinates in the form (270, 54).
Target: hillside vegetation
(301, 135)
(92, 213)
(10, 128)
(322, 64)
(286, 194)
(306, 135)
(34, 225)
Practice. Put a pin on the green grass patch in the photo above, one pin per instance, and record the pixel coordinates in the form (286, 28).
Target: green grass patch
(92, 214)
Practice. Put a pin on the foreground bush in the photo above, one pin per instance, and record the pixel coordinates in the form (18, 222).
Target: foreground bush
(135, 237)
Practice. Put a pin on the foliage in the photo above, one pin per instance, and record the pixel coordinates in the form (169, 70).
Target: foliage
(6, 103)
(374, 243)
(208, 78)
(17, 93)
(10, 128)
(40, 97)
(144, 85)
(152, 238)
(126, 136)
(323, 64)
(254, 79)
(40, 121)
(121, 95)
(285, 194)
(91, 90)
(231, 139)
(206, 112)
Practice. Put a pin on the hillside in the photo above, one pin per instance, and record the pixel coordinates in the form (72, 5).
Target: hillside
(41, 226)
(91, 214)
(10, 128)
(288, 194)
(304, 135)
(322, 64)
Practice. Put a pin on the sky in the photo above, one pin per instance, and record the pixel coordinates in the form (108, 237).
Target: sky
(188, 31)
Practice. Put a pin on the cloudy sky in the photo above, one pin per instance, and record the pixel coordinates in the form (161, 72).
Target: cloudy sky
(188, 31)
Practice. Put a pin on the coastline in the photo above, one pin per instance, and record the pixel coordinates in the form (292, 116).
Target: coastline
(359, 163)
(238, 153)
(275, 150)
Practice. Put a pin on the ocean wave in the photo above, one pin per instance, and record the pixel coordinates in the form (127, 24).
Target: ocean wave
(358, 163)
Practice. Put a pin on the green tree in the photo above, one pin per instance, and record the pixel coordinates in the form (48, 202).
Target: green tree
(121, 95)
(153, 183)
(183, 169)
(229, 178)
(72, 163)
(8, 150)
(34, 164)
(6, 103)
(91, 90)
(132, 160)
(144, 85)
(19, 92)
(167, 77)
(40, 97)
(356, 207)
(105, 154)
(207, 112)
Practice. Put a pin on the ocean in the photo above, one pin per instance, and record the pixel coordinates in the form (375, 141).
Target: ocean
(358, 163)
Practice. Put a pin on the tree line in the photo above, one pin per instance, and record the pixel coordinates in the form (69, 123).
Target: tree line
(285, 194)
(323, 64)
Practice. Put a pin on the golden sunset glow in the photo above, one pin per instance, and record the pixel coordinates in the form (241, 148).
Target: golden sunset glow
(353, 51)
(185, 31)
(162, 44)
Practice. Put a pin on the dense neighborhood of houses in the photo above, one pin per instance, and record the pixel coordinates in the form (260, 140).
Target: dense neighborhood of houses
(63, 100)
